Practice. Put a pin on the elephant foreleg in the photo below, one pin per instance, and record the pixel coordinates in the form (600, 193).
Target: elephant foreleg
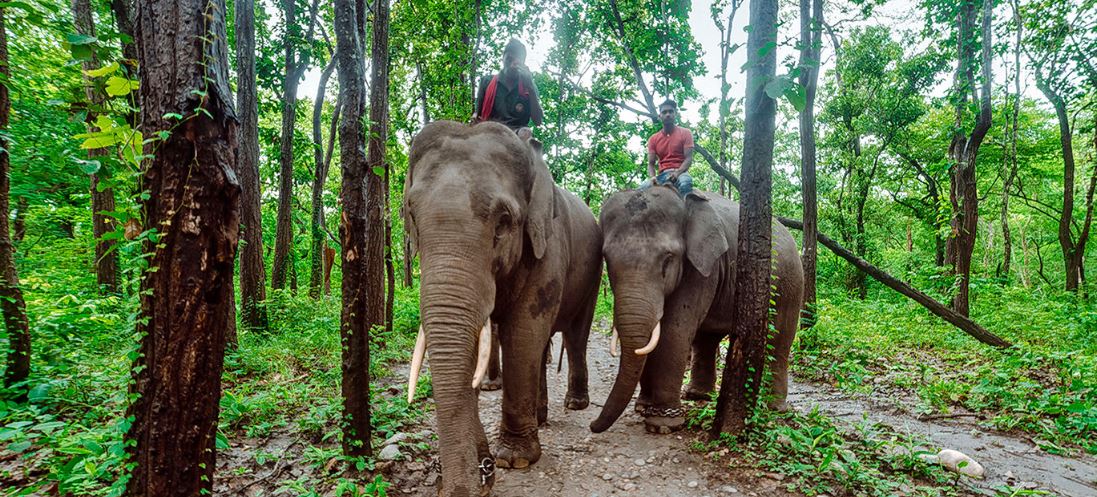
(542, 390)
(575, 342)
(703, 366)
(523, 359)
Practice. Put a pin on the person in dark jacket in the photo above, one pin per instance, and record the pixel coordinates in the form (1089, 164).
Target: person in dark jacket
(509, 97)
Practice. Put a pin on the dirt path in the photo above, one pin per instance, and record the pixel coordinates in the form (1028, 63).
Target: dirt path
(622, 461)
(1007, 459)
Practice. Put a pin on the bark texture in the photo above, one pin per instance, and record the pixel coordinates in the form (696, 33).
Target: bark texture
(746, 354)
(964, 149)
(316, 253)
(253, 272)
(354, 330)
(811, 40)
(194, 206)
(102, 197)
(11, 297)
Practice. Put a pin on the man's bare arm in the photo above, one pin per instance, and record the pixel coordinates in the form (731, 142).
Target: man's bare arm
(652, 159)
(687, 162)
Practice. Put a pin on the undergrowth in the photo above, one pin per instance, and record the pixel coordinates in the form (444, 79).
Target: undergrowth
(1044, 386)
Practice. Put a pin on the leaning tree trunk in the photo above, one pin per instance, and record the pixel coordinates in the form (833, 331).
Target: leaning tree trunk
(102, 198)
(964, 150)
(316, 253)
(253, 272)
(354, 328)
(11, 297)
(194, 204)
(810, 40)
(746, 355)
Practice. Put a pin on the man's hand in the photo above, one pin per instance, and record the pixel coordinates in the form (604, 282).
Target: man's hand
(672, 175)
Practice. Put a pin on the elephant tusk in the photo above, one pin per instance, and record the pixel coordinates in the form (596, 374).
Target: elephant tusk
(652, 342)
(483, 354)
(416, 363)
(613, 343)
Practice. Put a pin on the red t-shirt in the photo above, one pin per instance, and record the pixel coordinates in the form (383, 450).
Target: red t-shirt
(670, 149)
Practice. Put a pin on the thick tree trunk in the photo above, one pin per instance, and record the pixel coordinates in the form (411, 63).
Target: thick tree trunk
(355, 326)
(102, 198)
(194, 203)
(253, 272)
(964, 150)
(811, 47)
(390, 269)
(123, 17)
(316, 254)
(283, 237)
(11, 297)
(376, 186)
(746, 355)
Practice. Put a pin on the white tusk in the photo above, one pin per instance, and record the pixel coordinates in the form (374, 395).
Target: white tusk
(483, 354)
(652, 342)
(613, 343)
(416, 363)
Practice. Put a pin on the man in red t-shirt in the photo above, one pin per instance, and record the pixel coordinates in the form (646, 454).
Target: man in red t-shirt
(671, 148)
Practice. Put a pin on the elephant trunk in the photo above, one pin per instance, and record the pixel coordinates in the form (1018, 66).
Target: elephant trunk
(456, 299)
(635, 325)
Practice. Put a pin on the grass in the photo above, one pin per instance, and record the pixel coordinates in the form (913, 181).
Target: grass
(1045, 386)
(68, 439)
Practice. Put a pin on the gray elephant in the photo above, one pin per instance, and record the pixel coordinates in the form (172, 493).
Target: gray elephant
(498, 243)
(671, 264)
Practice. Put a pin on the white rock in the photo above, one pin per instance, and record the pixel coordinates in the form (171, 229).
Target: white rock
(395, 439)
(692, 484)
(607, 476)
(639, 462)
(958, 462)
(390, 453)
(728, 489)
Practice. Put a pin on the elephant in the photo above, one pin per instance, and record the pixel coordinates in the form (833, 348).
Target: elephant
(499, 243)
(671, 264)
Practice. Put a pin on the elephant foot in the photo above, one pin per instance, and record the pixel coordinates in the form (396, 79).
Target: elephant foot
(517, 452)
(697, 393)
(491, 384)
(642, 404)
(664, 420)
(576, 402)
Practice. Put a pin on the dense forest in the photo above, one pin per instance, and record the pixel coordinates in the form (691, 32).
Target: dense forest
(208, 284)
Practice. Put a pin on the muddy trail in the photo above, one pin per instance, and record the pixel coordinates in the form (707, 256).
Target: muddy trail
(1011, 460)
(626, 460)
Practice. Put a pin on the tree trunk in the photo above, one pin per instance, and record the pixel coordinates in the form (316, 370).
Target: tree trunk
(316, 266)
(194, 203)
(376, 194)
(253, 277)
(746, 355)
(19, 224)
(811, 38)
(11, 296)
(283, 238)
(964, 150)
(102, 198)
(355, 326)
(390, 270)
(123, 17)
(1007, 236)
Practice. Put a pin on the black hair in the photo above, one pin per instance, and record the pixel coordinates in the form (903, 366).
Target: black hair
(669, 102)
(515, 48)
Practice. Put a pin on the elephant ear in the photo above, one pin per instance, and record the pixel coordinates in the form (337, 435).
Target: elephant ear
(409, 222)
(706, 235)
(542, 201)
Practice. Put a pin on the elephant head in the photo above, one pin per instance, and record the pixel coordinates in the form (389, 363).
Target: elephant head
(477, 200)
(648, 238)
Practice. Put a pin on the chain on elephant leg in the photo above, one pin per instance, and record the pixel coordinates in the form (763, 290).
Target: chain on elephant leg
(663, 420)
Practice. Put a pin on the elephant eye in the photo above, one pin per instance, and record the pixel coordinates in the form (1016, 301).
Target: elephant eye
(667, 259)
(503, 225)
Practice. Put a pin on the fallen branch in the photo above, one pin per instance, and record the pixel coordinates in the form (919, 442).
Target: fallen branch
(960, 321)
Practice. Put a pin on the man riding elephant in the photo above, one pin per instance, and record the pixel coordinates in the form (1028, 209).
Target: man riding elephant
(509, 97)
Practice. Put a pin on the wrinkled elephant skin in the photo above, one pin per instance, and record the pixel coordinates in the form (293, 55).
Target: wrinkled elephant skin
(497, 239)
(671, 261)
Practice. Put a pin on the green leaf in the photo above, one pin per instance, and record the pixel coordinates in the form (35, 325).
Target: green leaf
(97, 140)
(103, 71)
(777, 87)
(797, 97)
(118, 86)
(89, 166)
(19, 447)
(379, 171)
(80, 39)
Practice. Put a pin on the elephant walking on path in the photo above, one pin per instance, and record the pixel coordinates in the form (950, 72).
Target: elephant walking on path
(499, 243)
(671, 264)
